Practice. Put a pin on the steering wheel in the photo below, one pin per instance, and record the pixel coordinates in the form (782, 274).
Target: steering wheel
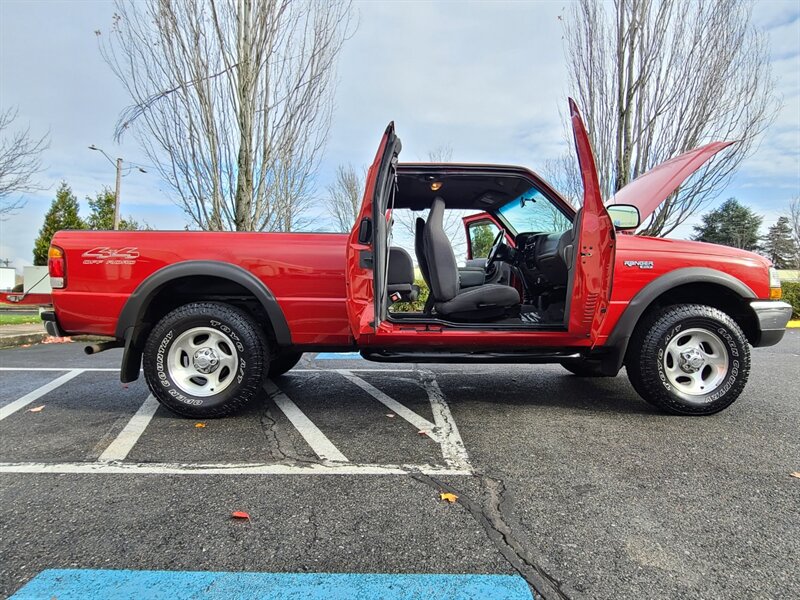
(497, 243)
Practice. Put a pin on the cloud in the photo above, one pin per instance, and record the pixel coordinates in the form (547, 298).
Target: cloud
(488, 79)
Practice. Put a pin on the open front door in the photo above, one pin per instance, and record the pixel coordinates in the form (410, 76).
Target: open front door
(367, 245)
(594, 244)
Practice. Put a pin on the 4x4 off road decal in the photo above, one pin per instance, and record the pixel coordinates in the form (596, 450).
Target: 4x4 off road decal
(110, 256)
(642, 264)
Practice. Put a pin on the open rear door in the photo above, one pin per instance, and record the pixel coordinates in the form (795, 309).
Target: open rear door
(594, 245)
(367, 245)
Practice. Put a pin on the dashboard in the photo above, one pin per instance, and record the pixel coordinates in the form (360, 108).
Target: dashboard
(538, 257)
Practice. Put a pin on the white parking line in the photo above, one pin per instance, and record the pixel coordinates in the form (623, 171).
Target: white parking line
(453, 449)
(444, 431)
(130, 434)
(112, 459)
(54, 369)
(318, 441)
(12, 407)
(224, 469)
(320, 370)
(403, 411)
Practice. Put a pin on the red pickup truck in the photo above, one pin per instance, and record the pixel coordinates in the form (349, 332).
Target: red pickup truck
(209, 315)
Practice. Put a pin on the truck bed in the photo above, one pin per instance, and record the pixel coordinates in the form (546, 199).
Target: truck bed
(304, 271)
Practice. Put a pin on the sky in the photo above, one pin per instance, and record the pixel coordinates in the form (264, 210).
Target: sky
(486, 78)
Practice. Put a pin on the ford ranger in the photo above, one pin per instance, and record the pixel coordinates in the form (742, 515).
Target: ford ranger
(207, 316)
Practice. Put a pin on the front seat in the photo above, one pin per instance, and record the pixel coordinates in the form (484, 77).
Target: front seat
(419, 250)
(483, 302)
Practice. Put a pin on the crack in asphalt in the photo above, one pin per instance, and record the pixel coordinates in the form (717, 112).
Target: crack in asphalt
(272, 434)
(309, 546)
(493, 520)
(268, 426)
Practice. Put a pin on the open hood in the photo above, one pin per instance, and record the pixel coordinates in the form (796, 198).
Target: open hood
(649, 190)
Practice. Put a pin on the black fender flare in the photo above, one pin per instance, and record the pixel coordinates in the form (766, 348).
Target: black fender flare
(129, 323)
(617, 342)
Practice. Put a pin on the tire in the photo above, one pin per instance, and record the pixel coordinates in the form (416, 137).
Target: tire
(205, 360)
(689, 359)
(283, 362)
(584, 368)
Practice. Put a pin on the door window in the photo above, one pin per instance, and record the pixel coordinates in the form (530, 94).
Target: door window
(481, 236)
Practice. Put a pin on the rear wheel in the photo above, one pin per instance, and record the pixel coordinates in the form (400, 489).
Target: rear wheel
(205, 359)
(283, 362)
(689, 360)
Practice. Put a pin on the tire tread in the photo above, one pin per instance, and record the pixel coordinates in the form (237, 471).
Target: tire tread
(246, 327)
(641, 359)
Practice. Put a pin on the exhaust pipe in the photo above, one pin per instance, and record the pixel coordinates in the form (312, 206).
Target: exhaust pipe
(102, 346)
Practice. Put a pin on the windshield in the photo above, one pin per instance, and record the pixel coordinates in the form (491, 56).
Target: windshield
(533, 211)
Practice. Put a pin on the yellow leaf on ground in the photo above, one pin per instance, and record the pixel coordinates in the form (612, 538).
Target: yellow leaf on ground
(448, 496)
(36, 409)
(796, 474)
(198, 425)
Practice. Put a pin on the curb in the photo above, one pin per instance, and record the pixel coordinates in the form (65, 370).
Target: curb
(11, 341)
(14, 341)
(793, 324)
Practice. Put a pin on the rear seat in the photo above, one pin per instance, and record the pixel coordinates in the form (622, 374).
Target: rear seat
(400, 277)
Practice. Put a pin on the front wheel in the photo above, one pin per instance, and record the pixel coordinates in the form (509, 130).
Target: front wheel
(205, 359)
(689, 359)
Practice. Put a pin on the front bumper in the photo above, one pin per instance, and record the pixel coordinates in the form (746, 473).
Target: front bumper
(772, 317)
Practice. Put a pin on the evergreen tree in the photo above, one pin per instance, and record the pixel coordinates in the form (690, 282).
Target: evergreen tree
(102, 212)
(732, 224)
(63, 214)
(482, 238)
(779, 245)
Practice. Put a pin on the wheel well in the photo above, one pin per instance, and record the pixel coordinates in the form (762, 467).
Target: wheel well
(196, 288)
(714, 295)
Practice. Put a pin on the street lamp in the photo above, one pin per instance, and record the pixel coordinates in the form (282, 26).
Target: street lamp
(118, 165)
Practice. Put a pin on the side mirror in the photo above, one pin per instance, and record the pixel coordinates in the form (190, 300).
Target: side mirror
(624, 216)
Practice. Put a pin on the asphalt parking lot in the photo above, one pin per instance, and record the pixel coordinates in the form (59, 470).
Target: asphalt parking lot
(575, 485)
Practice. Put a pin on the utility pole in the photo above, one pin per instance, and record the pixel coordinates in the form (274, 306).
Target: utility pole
(118, 165)
(116, 194)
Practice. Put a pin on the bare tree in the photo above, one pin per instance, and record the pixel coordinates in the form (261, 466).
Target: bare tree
(794, 223)
(232, 100)
(345, 194)
(443, 153)
(453, 226)
(563, 174)
(655, 78)
(20, 160)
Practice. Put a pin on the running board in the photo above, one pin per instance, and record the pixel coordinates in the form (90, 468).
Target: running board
(386, 356)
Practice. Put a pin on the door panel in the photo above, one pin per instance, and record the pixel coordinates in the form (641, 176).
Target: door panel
(594, 245)
(366, 254)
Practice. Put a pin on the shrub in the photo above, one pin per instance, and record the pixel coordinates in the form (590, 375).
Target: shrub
(415, 306)
(791, 294)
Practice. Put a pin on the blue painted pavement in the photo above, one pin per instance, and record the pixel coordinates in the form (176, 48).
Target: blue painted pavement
(338, 356)
(80, 584)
